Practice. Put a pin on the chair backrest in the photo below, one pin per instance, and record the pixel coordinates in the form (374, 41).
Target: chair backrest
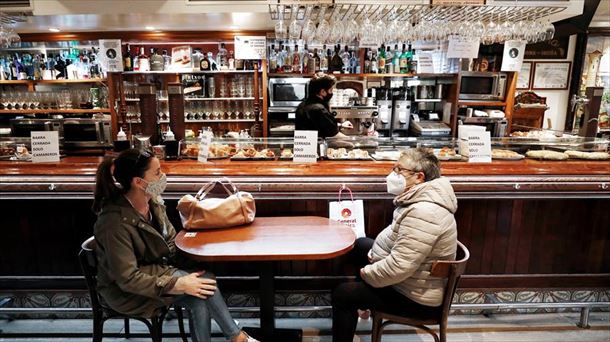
(452, 271)
(88, 263)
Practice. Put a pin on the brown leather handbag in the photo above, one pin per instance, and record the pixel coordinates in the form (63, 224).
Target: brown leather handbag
(199, 212)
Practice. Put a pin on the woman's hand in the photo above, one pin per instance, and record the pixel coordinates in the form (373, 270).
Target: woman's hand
(196, 286)
(369, 255)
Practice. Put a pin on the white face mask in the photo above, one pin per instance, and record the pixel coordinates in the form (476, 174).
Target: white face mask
(156, 188)
(396, 183)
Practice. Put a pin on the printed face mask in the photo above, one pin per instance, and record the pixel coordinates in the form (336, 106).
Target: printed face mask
(396, 183)
(156, 188)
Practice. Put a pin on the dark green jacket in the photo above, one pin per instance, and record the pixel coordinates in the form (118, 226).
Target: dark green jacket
(135, 260)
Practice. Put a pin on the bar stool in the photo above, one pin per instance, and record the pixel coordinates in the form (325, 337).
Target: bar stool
(102, 312)
(450, 270)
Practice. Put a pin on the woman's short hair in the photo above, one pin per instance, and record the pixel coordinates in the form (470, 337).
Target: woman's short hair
(321, 81)
(421, 160)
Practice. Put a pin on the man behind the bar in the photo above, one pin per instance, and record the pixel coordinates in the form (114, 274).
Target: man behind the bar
(313, 114)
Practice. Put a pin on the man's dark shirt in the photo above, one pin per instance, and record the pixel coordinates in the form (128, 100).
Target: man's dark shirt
(314, 114)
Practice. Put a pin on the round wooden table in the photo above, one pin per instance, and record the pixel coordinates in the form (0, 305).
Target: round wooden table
(266, 240)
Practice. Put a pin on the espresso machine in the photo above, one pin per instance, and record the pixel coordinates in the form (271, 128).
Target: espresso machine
(362, 118)
(401, 111)
(383, 123)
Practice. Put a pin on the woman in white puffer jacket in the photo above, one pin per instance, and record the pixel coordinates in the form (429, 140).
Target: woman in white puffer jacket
(395, 267)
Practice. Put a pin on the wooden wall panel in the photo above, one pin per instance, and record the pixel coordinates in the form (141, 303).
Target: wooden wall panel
(510, 238)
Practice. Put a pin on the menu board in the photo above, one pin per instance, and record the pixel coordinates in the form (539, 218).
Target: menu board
(250, 47)
(462, 47)
(551, 75)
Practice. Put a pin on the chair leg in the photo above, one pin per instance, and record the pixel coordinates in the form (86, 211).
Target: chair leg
(443, 332)
(157, 329)
(127, 332)
(377, 329)
(180, 317)
(98, 327)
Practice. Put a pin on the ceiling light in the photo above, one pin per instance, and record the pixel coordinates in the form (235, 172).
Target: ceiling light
(150, 28)
(53, 29)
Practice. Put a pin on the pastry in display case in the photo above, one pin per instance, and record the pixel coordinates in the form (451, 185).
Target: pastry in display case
(241, 148)
(501, 154)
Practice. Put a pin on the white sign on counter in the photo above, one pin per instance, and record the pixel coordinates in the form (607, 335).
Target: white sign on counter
(250, 47)
(45, 146)
(204, 147)
(461, 47)
(305, 146)
(425, 65)
(479, 147)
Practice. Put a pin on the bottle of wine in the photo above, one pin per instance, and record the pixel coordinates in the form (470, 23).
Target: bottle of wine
(367, 61)
(381, 60)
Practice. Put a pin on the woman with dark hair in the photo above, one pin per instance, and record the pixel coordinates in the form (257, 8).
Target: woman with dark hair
(136, 251)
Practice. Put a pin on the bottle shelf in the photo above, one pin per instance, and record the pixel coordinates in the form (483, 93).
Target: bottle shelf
(409, 75)
(180, 72)
(54, 111)
(26, 82)
(220, 121)
(218, 98)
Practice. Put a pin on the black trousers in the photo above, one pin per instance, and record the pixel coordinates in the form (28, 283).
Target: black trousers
(347, 298)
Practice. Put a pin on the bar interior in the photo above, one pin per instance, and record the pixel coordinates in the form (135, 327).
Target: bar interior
(513, 98)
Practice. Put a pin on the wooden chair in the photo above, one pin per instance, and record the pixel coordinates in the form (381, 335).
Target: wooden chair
(101, 312)
(452, 271)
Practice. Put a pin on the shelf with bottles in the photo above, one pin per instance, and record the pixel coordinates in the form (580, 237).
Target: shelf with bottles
(54, 111)
(61, 81)
(182, 72)
(409, 75)
(219, 120)
(219, 98)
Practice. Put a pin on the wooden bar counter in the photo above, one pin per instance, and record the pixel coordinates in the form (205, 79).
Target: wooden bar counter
(528, 223)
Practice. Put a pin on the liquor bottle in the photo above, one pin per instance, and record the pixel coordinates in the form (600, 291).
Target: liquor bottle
(367, 61)
(409, 59)
(157, 63)
(316, 61)
(374, 63)
(37, 63)
(381, 59)
(95, 71)
(287, 66)
(296, 60)
(324, 59)
(204, 63)
(166, 59)
(336, 62)
(345, 59)
(127, 60)
(306, 60)
(196, 58)
(396, 60)
(13, 69)
(231, 61)
(354, 66)
(404, 60)
(222, 57)
(280, 58)
(143, 61)
(413, 64)
(239, 64)
(389, 60)
(212, 62)
(272, 59)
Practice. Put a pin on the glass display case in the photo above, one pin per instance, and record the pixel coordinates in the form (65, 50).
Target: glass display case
(262, 149)
(356, 148)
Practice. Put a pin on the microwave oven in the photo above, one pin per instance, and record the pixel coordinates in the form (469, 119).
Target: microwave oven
(497, 127)
(483, 86)
(21, 128)
(86, 133)
(287, 92)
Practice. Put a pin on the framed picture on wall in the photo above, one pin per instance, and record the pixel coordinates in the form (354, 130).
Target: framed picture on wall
(551, 75)
(525, 76)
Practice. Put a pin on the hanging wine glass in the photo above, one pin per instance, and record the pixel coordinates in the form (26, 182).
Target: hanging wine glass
(294, 29)
(549, 30)
(309, 31)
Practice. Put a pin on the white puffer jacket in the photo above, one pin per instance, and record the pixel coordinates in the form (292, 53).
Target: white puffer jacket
(423, 230)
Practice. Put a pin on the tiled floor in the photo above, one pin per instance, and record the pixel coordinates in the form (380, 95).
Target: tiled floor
(472, 328)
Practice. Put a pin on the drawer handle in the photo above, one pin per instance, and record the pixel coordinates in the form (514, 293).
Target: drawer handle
(52, 187)
(603, 186)
(517, 186)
